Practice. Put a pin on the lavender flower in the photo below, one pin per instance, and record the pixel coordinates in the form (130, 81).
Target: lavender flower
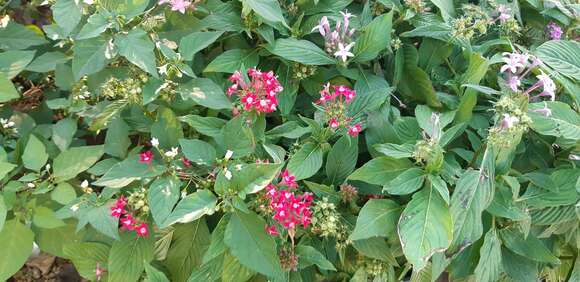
(509, 121)
(504, 13)
(337, 42)
(513, 62)
(554, 31)
(514, 82)
(344, 51)
(549, 86)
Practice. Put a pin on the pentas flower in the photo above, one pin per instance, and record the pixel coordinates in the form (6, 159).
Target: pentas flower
(118, 208)
(146, 157)
(272, 230)
(335, 100)
(554, 31)
(339, 41)
(259, 93)
(509, 121)
(99, 271)
(142, 230)
(504, 13)
(518, 66)
(290, 209)
(289, 180)
(178, 5)
(128, 222)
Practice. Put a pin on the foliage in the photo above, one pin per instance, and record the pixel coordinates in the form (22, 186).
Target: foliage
(310, 140)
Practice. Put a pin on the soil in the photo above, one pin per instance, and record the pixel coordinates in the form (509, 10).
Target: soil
(47, 268)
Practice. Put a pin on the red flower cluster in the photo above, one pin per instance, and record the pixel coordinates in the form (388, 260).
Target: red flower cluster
(335, 106)
(146, 157)
(127, 220)
(260, 93)
(290, 209)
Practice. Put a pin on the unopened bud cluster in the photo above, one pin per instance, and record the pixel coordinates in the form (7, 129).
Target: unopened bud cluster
(128, 88)
(303, 71)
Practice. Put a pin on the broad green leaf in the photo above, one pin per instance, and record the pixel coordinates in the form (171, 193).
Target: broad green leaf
(415, 83)
(375, 38)
(269, 10)
(233, 270)
(63, 194)
(89, 56)
(306, 162)
(154, 275)
(117, 140)
(7, 90)
(529, 247)
(128, 257)
(19, 37)
(396, 151)
(378, 218)
(85, 257)
(73, 161)
(407, 182)
(163, 194)
(291, 129)
(100, 218)
(233, 60)
(67, 14)
(489, 267)
(46, 218)
(3, 212)
(376, 248)
(189, 243)
(167, 128)
(446, 8)
(13, 62)
(251, 245)
(6, 168)
(209, 126)
(519, 267)
(138, 49)
(476, 70)
(302, 51)
(127, 8)
(127, 171)
(205, 92)
(381, 170)
(198, 151)
(311, 256)
(47, 62)
(197, 41)
(238, 138)
(34, 156)
(563, 121)
(96, 24)
(16, 245)
(249, 179)
(425, 227)
(561, 55)
(192, 207)
(341, 159)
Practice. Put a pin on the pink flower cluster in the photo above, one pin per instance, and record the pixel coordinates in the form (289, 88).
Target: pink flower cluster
(554, 31)
(518, 66)
(178, 5)
(127, 220)
(335, 103)
(290, 209)
(146, 157)
(339, 41)
(259, 93)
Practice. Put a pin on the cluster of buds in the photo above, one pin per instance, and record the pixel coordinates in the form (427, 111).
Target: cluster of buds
(326, 222)
(85, 187)
(474, 22)
(290, 209)
(138, 200)
(518, 66)
(375, 268)
(288, 260)
(180, 5)
(348, 193)
(335, 103)
(129, 88)
(427, 151)
(8, 127)
(338, 42)
(503, 14)
(127, 219)
(259, 93)
(417, 6)
(554, 31)
(512, 121)
(301, 71)
(80, 90)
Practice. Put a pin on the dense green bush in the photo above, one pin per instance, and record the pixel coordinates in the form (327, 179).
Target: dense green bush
(310, 140)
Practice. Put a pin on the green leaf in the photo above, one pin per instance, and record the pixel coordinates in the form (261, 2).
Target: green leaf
(46, 218)
(85, 257)
(269, 10)
(127, 8)
(238, 137)
(19, 37)
(167, 128)
(7, 90)
(204, 92)
(5, 168)
(47, 62)
(518, 267)
(251, 245)
(63, 194)
(13, 62)
(446, 8)
(34, 156)
(375, 37)
(381, 170)
(117, 140)
(63, 132)
(489, 267)
(478, 66)
(154, 275)
(563, 122)
(3, 212)
(96, 24)
(302, 51)
(197, 41)
(425, 227)
(306, 162)
(407, 182)
(192, 207)
(163, 194)
(378, 218)
(233, 60)
(209, 126)
(415, 83)
(75, 160)
(128, 257)
(100, 218)
(16, 245)
(189, 243)
(561, 55)
(341, 159)
(249, 179)
(67, 14)
(396, 151)
(89, 56)
(376, 248)
(127, 171)
(198, 151)
(138, 49)
(529, 247)
(310, 256)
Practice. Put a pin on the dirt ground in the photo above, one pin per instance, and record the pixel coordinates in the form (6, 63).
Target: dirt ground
(47, 268)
